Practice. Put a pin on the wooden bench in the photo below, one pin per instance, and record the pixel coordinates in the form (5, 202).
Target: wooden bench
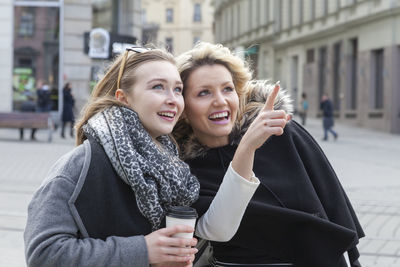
(27, 120)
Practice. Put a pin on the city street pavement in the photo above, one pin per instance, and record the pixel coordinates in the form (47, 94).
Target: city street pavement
(23, 165)
(367, 163)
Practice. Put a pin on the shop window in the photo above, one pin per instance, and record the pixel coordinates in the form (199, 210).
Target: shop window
(36, 59)
(25, 62)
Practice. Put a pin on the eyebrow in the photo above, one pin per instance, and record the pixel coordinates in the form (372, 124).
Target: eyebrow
(209, 85)
(163, 80)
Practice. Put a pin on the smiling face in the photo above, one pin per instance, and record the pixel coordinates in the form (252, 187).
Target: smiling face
(156, 96)
(211, 104)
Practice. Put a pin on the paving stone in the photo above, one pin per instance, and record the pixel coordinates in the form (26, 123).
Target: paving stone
(390, 248)
(366, 162)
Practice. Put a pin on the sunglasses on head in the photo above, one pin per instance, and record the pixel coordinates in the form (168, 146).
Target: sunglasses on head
(136, 49)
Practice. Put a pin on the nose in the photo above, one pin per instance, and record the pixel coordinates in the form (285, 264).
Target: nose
(219, 99)
(172, 99)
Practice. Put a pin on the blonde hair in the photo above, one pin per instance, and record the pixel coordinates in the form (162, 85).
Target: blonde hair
(210, 54)
(121, 71)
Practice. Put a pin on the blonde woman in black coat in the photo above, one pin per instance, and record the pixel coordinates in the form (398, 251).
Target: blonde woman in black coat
(300, 215)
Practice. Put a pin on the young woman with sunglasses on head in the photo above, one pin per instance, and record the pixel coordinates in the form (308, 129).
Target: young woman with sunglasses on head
(103, 203)
(299, 216)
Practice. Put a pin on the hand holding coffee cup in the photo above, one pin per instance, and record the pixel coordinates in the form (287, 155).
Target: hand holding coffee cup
(162, 247)
(181, 215)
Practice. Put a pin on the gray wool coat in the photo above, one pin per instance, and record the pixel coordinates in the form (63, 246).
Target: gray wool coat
(55, 234)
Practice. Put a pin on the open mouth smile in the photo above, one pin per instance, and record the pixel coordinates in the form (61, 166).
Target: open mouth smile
(220, 117)
(167, 115)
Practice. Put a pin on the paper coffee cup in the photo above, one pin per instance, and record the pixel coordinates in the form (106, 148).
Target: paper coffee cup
(181, 215)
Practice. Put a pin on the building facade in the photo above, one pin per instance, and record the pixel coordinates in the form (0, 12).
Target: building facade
(45, 42)
(349, 49)
(177, 24)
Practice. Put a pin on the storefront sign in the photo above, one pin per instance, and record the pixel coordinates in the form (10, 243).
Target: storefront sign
(96, 47)
(99, 42)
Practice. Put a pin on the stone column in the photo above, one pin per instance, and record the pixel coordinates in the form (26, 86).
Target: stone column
(6, 54)
(392, 97)
(76, 64)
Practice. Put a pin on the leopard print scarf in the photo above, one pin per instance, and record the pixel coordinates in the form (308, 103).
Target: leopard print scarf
(156, 175)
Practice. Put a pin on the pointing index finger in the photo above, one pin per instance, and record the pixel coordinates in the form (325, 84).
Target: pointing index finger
(269, 104)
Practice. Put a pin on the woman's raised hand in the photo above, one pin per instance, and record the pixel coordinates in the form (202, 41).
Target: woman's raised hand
(162, 247)
(268, 122)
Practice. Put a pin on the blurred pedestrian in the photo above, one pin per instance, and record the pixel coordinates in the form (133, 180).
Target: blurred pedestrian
(28, 106)
(43, 98)
(304, 108)
(327, 117)
(68, 110)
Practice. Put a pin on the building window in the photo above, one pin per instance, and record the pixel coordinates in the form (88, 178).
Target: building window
(267, 11)
(258, 8)
(300, 11)
(169, 44)
(250, 17)
(197, 13)
(196, 39)
(290, 13)
(103, 15)
(169, 15)
(27, 22)
(325, 7)
(322, 71)
(238, 19)
(336, 75)
(295, 81)
(310, 56)
(352, 92)
(278, 70)
(144, 16)
(377, 76)
(232, 23)
(278, 15)
(312, 9)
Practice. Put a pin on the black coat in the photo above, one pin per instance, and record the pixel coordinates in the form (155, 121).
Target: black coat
(43, 100)
(327, 108)
(68, 114)
(101, 214)
(299, 214)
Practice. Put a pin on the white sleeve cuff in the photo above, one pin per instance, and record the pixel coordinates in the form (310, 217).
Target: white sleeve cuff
(225, 213)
